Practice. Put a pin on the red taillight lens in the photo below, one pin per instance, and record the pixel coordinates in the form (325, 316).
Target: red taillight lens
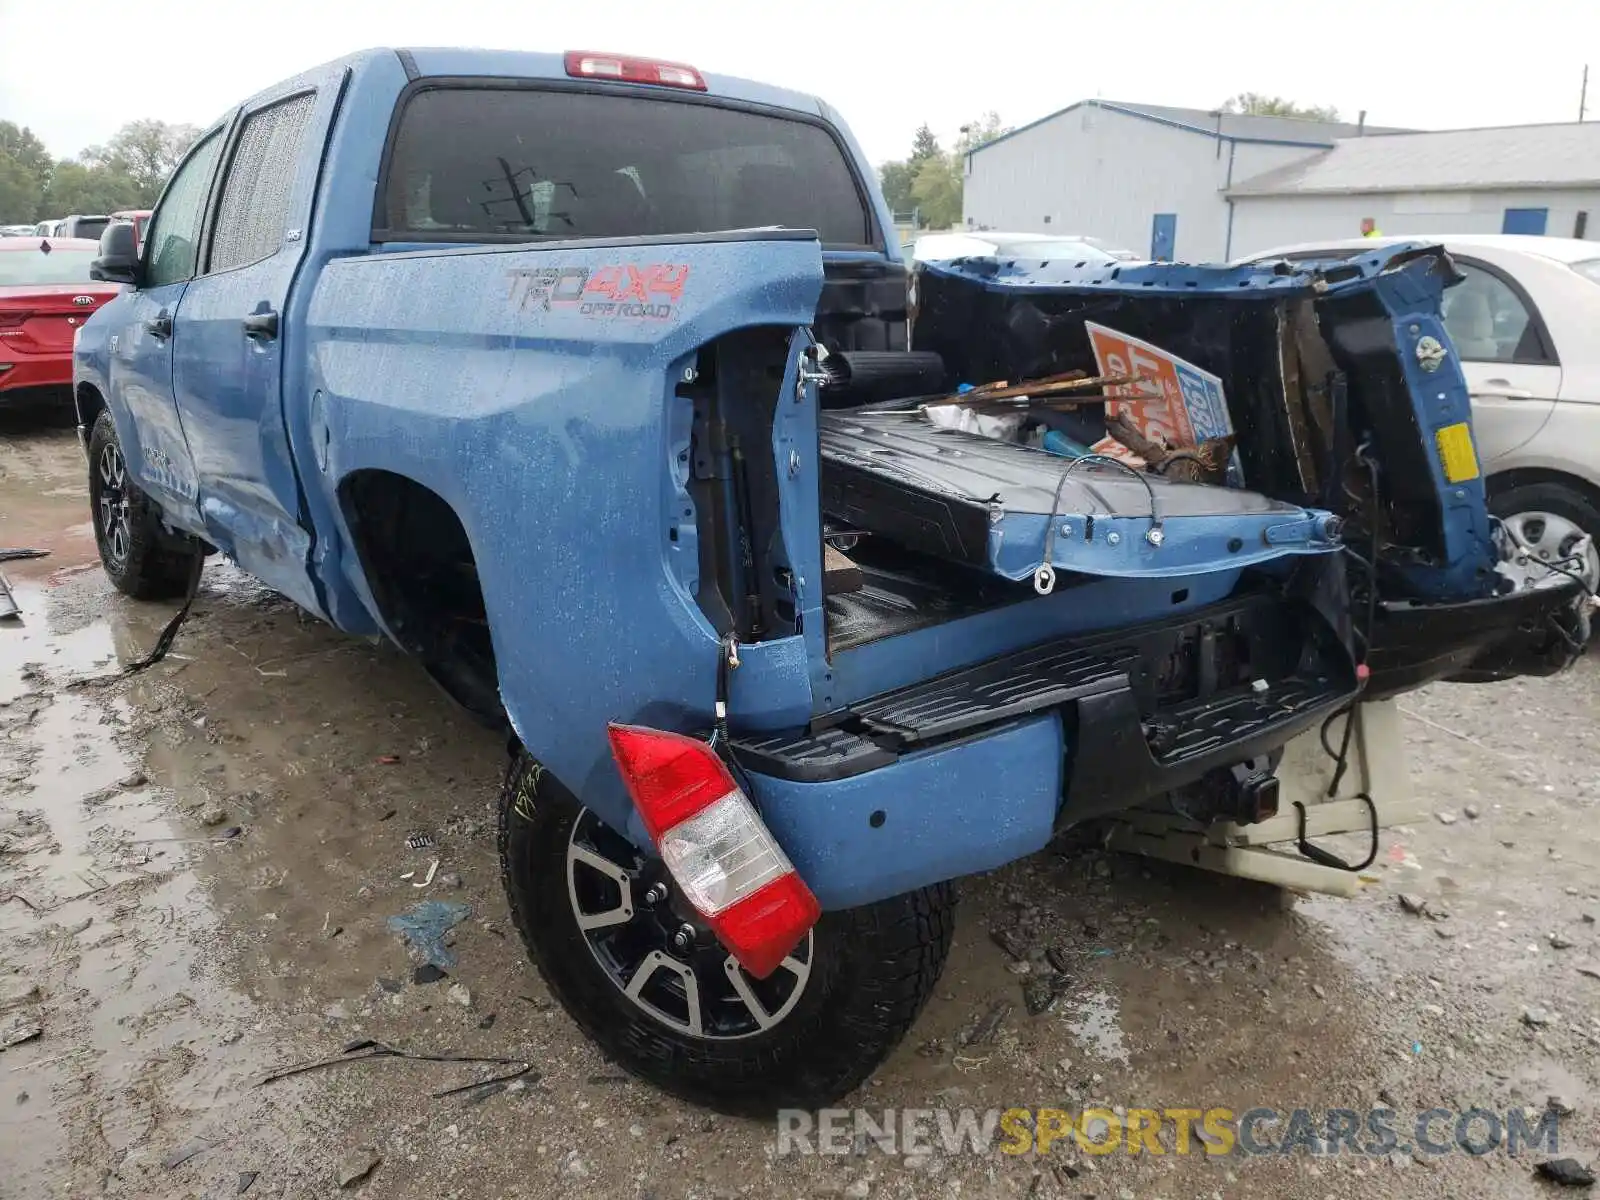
(584, 64)
(720, 853)
(669, 776)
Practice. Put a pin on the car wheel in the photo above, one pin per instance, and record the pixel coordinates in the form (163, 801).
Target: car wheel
(141, 558)
(1547, 521)
(643, 977)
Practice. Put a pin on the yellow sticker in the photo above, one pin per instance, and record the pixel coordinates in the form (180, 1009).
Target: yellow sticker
(1456, 453)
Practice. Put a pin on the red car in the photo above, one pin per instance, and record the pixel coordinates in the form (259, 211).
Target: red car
(45, 294)
(139, 217)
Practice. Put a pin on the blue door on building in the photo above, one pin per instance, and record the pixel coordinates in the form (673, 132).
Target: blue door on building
(1163, 236)
(1525, 220)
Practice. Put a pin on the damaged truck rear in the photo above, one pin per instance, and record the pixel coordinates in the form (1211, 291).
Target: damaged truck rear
(596, 384)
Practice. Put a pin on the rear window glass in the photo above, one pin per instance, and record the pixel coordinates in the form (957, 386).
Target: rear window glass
(35, 266)
(89, 227)
(556, 164)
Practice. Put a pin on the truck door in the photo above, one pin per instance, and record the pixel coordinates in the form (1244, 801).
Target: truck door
(140, 365)
(230, 337)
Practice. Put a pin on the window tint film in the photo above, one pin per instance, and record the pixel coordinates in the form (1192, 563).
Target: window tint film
(174, 238)
(255, 196)
(557, 164)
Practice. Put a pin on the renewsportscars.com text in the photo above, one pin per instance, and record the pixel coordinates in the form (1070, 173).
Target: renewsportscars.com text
(1212, 1131)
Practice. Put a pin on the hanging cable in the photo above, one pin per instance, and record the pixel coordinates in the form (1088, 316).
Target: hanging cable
(1044, 579)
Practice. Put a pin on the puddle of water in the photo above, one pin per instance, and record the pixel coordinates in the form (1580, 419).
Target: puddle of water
(112, 921)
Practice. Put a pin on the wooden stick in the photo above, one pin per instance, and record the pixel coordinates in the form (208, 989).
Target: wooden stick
(1038, 387)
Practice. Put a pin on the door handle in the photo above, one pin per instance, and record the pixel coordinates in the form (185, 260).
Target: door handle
(1502, 389)
(159, 326)
(263, 326)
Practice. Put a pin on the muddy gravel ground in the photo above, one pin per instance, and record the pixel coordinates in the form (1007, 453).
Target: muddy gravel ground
(197, 864)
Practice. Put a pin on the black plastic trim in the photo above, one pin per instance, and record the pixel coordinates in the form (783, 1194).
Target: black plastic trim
(480, 245)
(1475, 641)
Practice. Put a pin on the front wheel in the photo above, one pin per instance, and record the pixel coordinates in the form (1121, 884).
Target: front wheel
(141, 557)
(1547, 523)
(639, 972)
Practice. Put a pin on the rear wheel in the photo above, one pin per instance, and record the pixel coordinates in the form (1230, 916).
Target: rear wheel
(638, 970)
(141, 557)
(1548, 522)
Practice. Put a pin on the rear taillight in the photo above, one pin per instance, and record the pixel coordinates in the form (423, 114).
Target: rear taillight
(584, 64)
(723, 858)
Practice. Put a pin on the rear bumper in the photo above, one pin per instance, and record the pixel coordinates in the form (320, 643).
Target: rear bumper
(1477, 641)
(18, 371)
(968, 771)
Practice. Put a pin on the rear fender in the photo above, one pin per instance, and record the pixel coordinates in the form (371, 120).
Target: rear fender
(534, 389)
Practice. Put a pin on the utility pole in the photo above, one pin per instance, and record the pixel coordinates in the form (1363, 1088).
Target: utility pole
(1583, 94)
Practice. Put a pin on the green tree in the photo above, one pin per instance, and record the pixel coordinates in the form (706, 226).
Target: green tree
(937, 191)
(76, 188)
(980, 132)
(923, 146)
(23, 145)
(20, 192)
(1255, 104)
(24, 169)
(896, 178)
(144, 152)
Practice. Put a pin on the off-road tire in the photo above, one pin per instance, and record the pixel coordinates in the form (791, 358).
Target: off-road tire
(873, 969)
(157, 563)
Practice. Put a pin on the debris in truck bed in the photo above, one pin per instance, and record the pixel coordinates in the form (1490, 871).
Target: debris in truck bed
(1049, 385)
(839, 574)
(1205, 463)
(1168, 403)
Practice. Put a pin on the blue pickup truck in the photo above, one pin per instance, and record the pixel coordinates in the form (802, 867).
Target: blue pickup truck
(593, 382)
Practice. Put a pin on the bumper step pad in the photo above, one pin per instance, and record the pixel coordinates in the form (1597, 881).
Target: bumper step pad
(1134, 730)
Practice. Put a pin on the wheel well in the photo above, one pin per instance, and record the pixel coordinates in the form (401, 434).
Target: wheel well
(90, 402)
(423, 576)
(1523, 476)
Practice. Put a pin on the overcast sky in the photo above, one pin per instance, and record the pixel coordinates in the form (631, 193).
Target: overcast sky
(887, 65)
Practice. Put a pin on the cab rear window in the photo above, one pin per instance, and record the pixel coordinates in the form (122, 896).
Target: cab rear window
(536, 164)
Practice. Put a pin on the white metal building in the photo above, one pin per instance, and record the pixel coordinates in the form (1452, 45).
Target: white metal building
(1539, 179)
(1148, 177)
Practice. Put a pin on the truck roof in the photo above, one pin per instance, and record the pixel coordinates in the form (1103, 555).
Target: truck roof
(445, 61)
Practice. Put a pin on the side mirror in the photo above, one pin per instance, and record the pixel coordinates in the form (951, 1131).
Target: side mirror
(119, 255)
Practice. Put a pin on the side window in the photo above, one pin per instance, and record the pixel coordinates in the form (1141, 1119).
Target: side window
(1488, 321)
(173, 242)
(254, 212)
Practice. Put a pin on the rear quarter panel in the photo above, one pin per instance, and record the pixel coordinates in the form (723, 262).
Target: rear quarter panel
(553, 431)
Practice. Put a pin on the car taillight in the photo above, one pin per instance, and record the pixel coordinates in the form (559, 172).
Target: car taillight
(584, 64)
(723, 858)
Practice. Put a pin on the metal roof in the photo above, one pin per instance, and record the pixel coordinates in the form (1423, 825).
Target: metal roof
(1286, 131)
(1516, 156)
(1245, 127)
